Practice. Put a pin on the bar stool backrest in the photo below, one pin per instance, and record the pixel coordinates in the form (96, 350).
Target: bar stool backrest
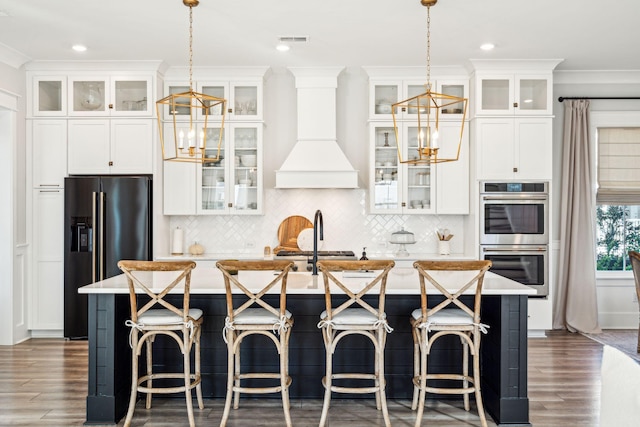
(231, 270)
(380, 267)
(635, 266)
(137, 282)
(452, 293)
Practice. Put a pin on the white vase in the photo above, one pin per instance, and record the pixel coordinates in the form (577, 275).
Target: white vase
(444, 248)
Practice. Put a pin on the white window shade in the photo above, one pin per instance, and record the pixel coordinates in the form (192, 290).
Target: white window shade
(619, 166)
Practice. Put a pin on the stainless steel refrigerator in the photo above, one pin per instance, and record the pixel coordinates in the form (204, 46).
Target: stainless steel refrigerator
(107, 218)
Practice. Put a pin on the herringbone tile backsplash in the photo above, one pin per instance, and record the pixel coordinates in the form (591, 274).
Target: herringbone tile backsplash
(347, 225)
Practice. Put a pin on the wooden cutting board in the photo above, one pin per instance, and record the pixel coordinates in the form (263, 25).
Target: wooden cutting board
(288, 232)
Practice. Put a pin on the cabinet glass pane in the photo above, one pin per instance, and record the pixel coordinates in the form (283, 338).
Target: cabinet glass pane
(533, 94)
(88, 95)
(245, 168)
(246, 100)
(385, 95)
(386, 194)
(179, 111)
(418, 177)
(495, 94)
(50, 95)
(217, 91)
(131, 95)
(453, 90)
(213, 174)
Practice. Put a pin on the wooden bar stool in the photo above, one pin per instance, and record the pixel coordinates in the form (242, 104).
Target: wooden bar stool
(363, 319)
(244, 319)
(181, 324)
(450, 317)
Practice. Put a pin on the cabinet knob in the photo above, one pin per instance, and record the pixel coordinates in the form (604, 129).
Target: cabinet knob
(110, 163)
(230, 110)
(230, 205)
(403, 204)
(515, 105)
(515, 169)
(111, 106)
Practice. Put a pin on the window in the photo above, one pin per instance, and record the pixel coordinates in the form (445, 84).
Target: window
(618, 232)
(618, 192)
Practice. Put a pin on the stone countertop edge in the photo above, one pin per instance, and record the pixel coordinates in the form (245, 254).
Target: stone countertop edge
(401, 281)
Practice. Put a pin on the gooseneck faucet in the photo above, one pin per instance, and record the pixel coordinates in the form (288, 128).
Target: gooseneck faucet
(317, 222)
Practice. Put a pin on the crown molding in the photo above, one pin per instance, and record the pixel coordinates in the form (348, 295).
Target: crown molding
(12, 57)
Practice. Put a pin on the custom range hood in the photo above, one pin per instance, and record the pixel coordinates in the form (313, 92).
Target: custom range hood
(316, 160)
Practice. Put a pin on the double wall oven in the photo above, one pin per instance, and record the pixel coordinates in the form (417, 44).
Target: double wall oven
(514, 231)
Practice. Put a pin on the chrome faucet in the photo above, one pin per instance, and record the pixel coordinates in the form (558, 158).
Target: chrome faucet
(317, 220)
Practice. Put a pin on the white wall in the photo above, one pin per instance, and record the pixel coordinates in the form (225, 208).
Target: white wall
(347, 225)
(616, 296)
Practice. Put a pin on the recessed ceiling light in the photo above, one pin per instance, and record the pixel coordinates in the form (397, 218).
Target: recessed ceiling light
(487, 46)
(283, 47)
(79, 47)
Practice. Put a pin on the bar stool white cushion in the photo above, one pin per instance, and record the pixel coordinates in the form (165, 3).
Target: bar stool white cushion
(352, 316)
(448, 316)
(257, 316)
(163, 316)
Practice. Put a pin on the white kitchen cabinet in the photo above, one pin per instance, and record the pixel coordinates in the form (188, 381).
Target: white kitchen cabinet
(385, 92)
(395, 187)
(110, 146)
(110, 95)
(48, 239)
(232, 185)
(519, 148)
(452, 178)
(48, 152)
(513, 94)
(48, 95)
(244, 99)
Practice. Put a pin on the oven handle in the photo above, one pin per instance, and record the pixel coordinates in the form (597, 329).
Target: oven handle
(538, 249)
(521, 198)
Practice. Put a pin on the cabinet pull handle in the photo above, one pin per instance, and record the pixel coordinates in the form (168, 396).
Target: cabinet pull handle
(230, 110)
(403, 204)
(49, 191)
(230, 205)
(515, 169)
(110, 163)
(50, 185)
(111, 106)
(515, 104)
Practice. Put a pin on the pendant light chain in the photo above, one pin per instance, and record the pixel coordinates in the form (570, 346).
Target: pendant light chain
(191, 48)
(428, 47)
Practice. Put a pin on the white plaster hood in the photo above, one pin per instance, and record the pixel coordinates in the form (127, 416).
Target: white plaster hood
(316, 160)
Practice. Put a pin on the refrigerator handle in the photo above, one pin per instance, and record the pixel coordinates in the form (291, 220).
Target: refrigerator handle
(94, 243)
(101, 260)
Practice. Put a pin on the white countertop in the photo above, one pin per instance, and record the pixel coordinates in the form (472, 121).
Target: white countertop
(401, 281)
(219, 256)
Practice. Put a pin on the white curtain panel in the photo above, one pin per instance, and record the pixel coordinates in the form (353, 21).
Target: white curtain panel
(575, 302)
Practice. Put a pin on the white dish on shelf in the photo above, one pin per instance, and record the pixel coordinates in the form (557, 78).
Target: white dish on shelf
(305, 240)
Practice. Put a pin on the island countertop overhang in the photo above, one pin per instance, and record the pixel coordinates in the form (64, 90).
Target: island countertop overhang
(401, 281)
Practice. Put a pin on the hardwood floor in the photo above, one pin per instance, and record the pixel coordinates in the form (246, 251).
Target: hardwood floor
(43, 382)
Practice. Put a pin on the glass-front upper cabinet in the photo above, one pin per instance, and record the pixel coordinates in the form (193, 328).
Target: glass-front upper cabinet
(247, 168)
(509, 94)
(386, 194)
(49, 96)
(458, 88)
(385, 93)
(113, 96)
(398, 188)
(233, 184)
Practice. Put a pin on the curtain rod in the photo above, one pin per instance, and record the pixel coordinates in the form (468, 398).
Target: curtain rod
(562, 98)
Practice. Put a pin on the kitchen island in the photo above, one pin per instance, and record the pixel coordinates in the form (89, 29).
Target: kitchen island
(504, 348)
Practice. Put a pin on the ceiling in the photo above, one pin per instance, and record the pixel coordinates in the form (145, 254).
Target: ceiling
(586, 34)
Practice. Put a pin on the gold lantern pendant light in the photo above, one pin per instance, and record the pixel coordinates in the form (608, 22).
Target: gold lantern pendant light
(178, 134)
(428, 107)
